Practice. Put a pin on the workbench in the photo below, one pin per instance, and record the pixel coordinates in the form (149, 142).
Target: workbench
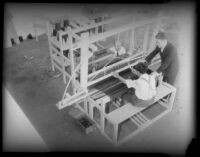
(105, 93)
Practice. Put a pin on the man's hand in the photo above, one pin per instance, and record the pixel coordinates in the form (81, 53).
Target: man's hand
(155, 74)
(145, 62)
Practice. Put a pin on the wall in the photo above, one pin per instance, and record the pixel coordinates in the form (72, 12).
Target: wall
(18, 132)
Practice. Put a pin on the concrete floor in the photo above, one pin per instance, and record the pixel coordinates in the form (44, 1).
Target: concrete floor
(33, 86)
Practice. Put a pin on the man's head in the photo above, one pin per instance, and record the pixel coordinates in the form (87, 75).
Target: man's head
(161, 39)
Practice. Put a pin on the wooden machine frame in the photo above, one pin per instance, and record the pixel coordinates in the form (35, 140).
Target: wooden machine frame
(88, 99)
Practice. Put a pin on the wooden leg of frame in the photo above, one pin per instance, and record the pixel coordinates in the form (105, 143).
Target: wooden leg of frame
(115, 133)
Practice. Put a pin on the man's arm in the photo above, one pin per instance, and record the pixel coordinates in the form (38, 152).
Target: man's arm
(166, 62)
(129, 83)
(119, 77)
(152, 55)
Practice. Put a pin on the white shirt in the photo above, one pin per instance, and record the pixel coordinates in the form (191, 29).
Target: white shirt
(120, 52)
(145, 86)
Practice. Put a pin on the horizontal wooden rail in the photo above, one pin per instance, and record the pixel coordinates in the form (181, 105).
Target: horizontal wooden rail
(97, 24)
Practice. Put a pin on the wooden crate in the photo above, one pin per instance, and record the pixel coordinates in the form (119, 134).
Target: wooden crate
(86, 124)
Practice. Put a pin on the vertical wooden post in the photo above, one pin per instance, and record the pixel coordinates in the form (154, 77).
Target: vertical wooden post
(91, 110)
(115, 132)
(145, 42)
(85, 105)
(131, 46)
(84, 59)
(92, 31)
(103, 116)
(102, 28)
(171, 100)
(103, 107)
(49, 42)
(62, 55)
(70, 42)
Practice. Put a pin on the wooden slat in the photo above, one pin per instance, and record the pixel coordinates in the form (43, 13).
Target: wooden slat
(55, 50)
(80, 29)
(140, 119)
(73, 25)
(71, 100)
(141, 128)
(137, 120)
(110, 74)
(55, 41)
(58, 60)
(143, 116)
(67, 61)
(115, 31)
(80, 22)
(107, 34)
(113, 65)
(93, 47)
(57, 66)
(117, 116)
(121, 114)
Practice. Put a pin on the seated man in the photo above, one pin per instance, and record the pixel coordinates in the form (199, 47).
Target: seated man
(141, 91)
(118, 49)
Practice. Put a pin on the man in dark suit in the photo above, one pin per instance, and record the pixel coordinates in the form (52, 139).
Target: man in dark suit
(169, 59)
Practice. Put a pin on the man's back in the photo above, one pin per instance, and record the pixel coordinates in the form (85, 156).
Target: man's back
(169, 58)
(169, 62)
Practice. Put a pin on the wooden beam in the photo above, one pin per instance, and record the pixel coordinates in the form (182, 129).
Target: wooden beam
(120, 30)
(80, 22)
(101, 59)
(84, 59)
(68, 102)
(132, 42)
(73, 25)
(98, 24)
(60, 56)
(55, 41)
(146, 37)
(49, 42)
(110, 74)
(115, 64)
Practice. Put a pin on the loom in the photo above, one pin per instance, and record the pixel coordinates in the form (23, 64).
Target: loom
(79, 50)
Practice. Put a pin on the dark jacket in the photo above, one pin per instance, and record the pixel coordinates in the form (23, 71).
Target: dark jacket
(169, 60)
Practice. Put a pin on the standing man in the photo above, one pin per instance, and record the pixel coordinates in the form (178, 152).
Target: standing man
(169, 59)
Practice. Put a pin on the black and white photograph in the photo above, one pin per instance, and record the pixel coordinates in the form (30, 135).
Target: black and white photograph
(99, 77)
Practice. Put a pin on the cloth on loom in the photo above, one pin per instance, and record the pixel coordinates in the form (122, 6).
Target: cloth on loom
(145, 86)
(141, 67)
